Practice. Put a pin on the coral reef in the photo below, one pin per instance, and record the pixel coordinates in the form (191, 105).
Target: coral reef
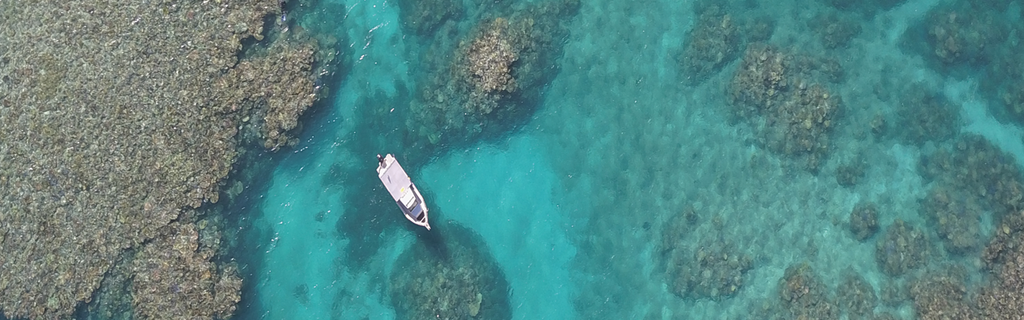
(803, 125)
(710, 269)
(942, 295)
(856, 296)
(1013, 98)
(283, 82)
(760, 81)
(850, 172)
(1004, 256)
(716, 38)
(305, 24)
(291, 69)
(804, 296)
(894, 294)
(979, 171)
(423, 17)
(759, 29)
(965, 36)
(125, 115)
(676, 229)
(491, 79)
(956, 218)
(175, 279)
(712, 43)
(171, 277)
(925, 116)
(482, 77)
(834, 29)
(489, 59)
(866, 7)
(1004, 80)
(799, 116)
(451, 278)
(879, 126)
(1004, 300)
(113, 299)
(1008, 239)
(864, 221)
(714, 271)
(301, 293)
(884, 316)
(963, 33)
(818, 69)
(903, 248)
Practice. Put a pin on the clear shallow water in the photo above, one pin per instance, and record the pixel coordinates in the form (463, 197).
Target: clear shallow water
(574, 204)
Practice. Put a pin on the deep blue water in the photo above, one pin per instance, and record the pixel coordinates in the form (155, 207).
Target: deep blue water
(573, 201)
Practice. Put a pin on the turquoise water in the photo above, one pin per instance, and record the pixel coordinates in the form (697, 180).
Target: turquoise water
(573, 204)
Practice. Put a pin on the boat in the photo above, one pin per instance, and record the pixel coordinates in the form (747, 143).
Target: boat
(401, 188)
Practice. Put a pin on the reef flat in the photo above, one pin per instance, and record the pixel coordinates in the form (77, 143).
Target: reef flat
(117, 120)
